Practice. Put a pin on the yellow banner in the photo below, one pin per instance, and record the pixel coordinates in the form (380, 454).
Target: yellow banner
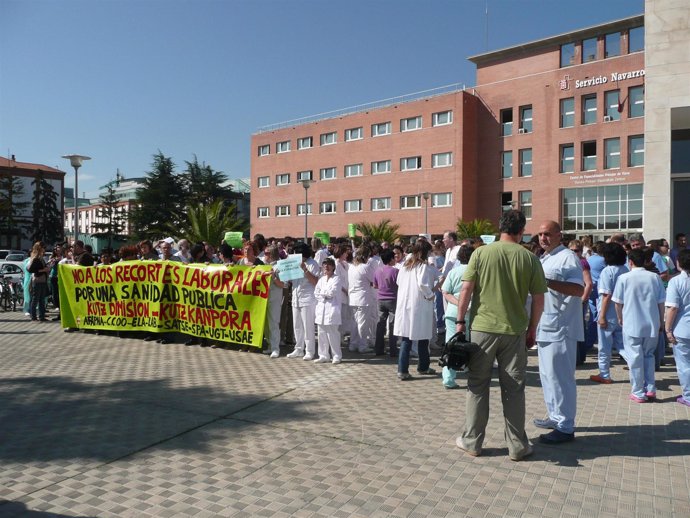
(209, 301)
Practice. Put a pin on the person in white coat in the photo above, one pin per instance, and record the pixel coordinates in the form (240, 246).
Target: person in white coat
(275, 303)
(328, 293)
(414, 315)
(361, 297)
(304, 306)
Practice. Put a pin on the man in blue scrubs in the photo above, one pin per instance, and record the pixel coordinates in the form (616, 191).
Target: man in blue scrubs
(560, 328)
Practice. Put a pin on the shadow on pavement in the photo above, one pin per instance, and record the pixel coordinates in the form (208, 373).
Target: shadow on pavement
(19, 509)
(50, 418)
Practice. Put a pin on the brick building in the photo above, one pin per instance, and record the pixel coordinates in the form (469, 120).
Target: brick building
(554, 127)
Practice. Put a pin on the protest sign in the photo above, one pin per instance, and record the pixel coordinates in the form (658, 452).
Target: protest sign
(209, 301)
(351, 229)
(488, 238)
(290, 269)
(324, 237)
(234, 239)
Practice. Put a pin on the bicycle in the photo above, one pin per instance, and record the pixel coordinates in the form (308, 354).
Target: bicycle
(10, 293)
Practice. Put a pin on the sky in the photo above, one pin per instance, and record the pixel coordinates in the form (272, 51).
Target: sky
(120, 80)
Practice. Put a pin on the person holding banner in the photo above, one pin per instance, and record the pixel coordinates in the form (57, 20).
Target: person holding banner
(275, 302)
(361, 297)
(328, 295)
(304, 305)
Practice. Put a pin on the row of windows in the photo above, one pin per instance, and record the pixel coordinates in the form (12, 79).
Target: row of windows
(524, 202)
(614, 105)
(377, 130)
(613, 207)
(611, 46)
(413, 163)
(414, 201)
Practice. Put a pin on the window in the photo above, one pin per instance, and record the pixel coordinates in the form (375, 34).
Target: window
(442, 159)
(567, 158)
(262, 212)
(327, 207)
(589, 50)
(442, 118)
(354, 134)
(611, 106)
(680, 150)
(380, 204)
(507, 122)
(589, 155)
(525, 200)
(568, 112)
(567, 54)
(411, 202)
(382, 128)
(612, 153)
(635, 151)
(353, 170)
(383, 166)
(525, 162)
(329, 138)
(264, 181)
(301, 211)
(526, 119)
(611, 208)
(328, 173)
(282, 210)
(283, 179)
(442, 199)
(411, 123)
(612, 45)
(305, 143)
(264, 150)
(411, 163)
(353, 205)
(304, 175)
(589, 109)
(507, 164)
(636, 101)
(283, 147)
(506, 201)
(636, 39)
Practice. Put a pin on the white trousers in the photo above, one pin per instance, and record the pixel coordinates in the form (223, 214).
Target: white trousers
(303, 323)
(329, 340)
(557, 374)
(272, 328)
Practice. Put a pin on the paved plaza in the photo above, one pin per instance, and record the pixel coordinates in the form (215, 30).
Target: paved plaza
(101, 426)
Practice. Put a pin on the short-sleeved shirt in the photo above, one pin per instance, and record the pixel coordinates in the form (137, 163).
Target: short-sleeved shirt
(303, 289)
(504, 273)
(678, 296)
(607, 283)
(640, 292)
(562, 316)
(452, 285)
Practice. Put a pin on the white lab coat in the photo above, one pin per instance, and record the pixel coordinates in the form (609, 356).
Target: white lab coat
(328, 293)
(414, 315)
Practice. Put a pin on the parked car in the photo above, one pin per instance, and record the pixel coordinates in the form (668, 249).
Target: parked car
(5, 253)
(14, 257)
(11, 271)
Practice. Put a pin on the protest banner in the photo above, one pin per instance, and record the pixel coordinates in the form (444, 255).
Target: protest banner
(290, 269)
(221, 303)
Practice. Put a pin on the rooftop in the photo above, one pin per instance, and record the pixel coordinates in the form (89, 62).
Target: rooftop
(10, 163)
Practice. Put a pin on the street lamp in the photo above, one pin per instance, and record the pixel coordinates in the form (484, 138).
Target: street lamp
(306, 183)
(75, 161)
(425, 195)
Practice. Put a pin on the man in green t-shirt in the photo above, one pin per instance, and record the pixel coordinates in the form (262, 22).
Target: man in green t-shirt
(498, 279)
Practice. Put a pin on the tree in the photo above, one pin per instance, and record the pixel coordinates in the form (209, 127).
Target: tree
(160, 202)
(47, 221)
(475, 228)
(112, 224)
(203, 185)
(210, 222)
(384, 230)
(13, 222)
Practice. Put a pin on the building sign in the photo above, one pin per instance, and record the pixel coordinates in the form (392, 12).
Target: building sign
(564, 83)
(608, 177)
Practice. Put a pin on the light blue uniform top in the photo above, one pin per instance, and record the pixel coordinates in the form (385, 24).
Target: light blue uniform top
(640, 292)
(607, 283)
(678, 296)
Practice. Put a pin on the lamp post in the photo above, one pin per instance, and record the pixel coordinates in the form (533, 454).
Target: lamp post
(306, 183)
(76, 161)
(425, 195)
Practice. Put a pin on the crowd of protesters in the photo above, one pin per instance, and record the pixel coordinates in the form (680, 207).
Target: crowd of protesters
(630, 297)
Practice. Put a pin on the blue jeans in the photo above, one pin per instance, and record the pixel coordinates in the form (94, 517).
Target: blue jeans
(440, 311)
(404, 355)
(386, 317)
(39, 292)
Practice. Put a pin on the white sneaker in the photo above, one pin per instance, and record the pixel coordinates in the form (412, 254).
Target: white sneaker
(308, 357)
(321, 360)
(275, 354)
(295, 354)
(336, 360)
